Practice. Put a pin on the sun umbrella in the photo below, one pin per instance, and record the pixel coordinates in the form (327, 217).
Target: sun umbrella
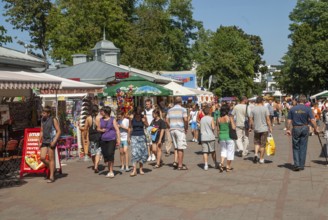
(140, 87)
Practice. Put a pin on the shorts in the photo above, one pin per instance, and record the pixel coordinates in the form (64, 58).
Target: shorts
(260, 138)
(228, 149)
(124, 144)
(193, 125)
(94, 148)
(47, 145)
(208, 146)
(179, 139)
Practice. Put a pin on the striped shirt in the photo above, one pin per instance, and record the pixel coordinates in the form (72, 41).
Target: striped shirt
(175, 116)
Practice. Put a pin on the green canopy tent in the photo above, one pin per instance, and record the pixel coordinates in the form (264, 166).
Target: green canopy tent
(140, 87)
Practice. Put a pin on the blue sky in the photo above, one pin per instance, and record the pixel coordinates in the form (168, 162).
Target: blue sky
(265, 18)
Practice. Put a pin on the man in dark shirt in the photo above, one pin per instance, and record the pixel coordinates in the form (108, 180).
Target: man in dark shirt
(299, 118)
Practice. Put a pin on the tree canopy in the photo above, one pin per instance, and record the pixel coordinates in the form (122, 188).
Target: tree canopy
(232, 57)
(305, 64)
(30, 16)
(3, 37)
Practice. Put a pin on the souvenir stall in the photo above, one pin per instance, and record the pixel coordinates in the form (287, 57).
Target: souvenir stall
(19, 109)
(68, 102)
(203, 96)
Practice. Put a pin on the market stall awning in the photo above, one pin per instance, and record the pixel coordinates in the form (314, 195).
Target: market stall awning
(17, 79)
(323, 94)
(179, 90)
(140, 87)
(200, 92)
(69, 86)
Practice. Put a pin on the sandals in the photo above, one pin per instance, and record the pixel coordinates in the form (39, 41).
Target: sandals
(141, 173)
(220, 167)
(228, 169)
(133, 174)
(182, 168)
(50, 180)
(175, 165)
(157, 166)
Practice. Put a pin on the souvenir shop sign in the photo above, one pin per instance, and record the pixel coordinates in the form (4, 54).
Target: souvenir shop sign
(69, 91)
(121, 75)
(31, 162)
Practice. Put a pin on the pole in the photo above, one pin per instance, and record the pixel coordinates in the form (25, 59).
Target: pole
(323, 149)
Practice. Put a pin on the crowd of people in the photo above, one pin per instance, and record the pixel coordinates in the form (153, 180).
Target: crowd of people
(143, 134)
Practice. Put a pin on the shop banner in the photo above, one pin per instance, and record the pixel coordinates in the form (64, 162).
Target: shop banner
(31, 162)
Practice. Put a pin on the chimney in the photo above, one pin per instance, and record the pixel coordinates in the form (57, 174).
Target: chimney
(79, 58)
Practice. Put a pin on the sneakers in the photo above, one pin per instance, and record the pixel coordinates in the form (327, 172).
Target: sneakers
(205, 167)
(110, 175)
(127, 169)
(255, 159)
(245, 153)
(86, 159)
(149, 158)
(122, 168)
(193, 140)
(153, 158)
(261, 161)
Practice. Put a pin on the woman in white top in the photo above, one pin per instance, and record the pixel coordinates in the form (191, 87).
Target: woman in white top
(123, 124)
(193, 122)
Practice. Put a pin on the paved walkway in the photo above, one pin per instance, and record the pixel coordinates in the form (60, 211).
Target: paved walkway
(250, 191)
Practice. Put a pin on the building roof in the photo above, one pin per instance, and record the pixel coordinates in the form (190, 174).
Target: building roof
(17, 58)
(97, 72)
(105, 44)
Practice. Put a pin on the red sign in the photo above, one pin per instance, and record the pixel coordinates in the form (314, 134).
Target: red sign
(121, 75)
(75, 79)
(31, 162)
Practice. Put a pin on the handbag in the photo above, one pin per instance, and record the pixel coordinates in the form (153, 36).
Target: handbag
(232, 132)
(246, 124)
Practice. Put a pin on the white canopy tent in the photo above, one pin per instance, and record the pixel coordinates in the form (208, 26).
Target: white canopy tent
(179, 90)
(203, 96)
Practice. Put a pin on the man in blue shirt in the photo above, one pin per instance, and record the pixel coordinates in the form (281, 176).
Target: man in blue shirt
(299, 118)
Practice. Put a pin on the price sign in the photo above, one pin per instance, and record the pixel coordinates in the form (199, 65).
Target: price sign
(31, 162)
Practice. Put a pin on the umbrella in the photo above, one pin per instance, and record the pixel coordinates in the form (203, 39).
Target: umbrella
(140, 87)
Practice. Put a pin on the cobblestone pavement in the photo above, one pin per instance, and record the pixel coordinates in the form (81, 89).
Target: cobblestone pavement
(251, 191)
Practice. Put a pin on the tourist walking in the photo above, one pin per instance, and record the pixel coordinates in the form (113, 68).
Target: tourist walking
(177, 119)
(137, 141)
(159, 125)
(241, 113)
(94, 137)
(260, 122)
(168, 142)
(148, 113)
(123, 124)
(110, 138)
(49, 135)
(207, 127)
(299, 117)
(226, 143)
(193, 122)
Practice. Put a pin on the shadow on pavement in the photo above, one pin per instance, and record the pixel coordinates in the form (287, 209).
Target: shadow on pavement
(287, 166)
(320, 162)
(199, 152)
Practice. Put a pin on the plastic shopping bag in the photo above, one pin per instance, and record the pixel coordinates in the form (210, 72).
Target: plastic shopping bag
(270, 147)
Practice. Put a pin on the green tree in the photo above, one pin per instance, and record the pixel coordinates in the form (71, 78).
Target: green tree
(162, 33)
(305, 64)
(231, 58)
(76, 25)
(30, 16)
(3, 37)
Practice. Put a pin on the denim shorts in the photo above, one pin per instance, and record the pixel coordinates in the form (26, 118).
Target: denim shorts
(193, 125)
(123, 144)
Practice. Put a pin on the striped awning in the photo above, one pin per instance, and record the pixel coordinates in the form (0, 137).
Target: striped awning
(10, 79)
